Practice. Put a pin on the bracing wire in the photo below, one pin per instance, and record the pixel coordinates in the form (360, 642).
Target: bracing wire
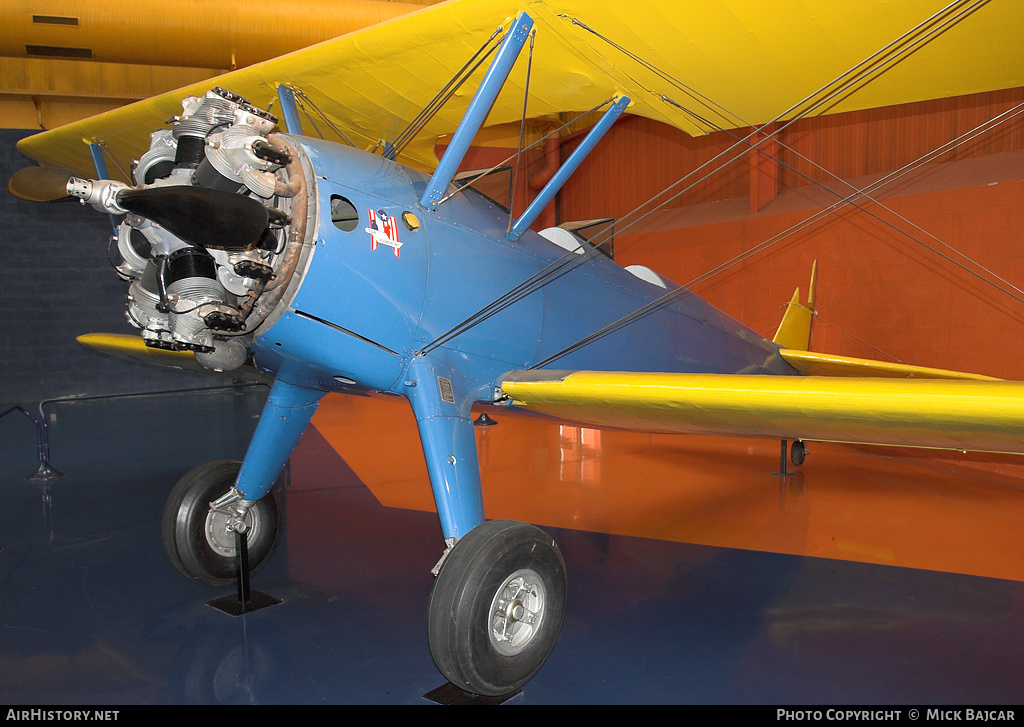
(686, 289)
(731, 116)
(301, 96)
(886, 57)
(298, 102)
(449, 90)
(113, 159)
(533, 145)
(425, 114)
(897, 49)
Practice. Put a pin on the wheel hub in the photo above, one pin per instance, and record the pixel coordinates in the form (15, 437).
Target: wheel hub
(220, 535)
(517, 611)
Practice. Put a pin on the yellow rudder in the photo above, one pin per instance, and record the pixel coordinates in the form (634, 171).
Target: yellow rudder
(795, 330)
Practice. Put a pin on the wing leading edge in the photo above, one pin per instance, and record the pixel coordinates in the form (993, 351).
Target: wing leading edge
(976, 415)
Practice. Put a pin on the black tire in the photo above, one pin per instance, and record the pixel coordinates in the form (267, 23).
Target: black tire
(464, 642)
(209, 558)
(797, 453)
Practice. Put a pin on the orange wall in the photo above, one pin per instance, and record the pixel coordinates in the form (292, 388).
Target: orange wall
(874, 283)
(639, 157)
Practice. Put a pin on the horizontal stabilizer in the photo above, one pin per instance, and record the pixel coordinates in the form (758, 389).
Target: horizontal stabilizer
(979, 415)
(794, 337)
(826, 364)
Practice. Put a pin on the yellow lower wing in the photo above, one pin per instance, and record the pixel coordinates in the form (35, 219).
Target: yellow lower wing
(133, 348)
(979, 415)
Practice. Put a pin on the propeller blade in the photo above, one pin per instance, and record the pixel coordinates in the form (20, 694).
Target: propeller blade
(200, 215)
(40, 184)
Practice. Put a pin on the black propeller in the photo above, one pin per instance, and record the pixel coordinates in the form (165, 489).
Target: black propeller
(197, 215)
(40, 184)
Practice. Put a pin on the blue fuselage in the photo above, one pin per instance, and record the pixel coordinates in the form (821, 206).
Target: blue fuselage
(364, 310)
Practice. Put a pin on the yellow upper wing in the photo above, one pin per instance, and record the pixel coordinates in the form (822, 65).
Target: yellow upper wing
(979, 415)
(753, 58)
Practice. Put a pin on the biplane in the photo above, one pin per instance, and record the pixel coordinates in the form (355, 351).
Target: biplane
(365, 264)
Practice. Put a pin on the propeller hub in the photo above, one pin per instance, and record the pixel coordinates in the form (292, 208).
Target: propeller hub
(102, 194)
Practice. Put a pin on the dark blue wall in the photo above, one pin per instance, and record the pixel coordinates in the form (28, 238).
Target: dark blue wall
(55, 284)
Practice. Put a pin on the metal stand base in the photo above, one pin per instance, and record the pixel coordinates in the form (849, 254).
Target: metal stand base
(46, 473)
(448, 693)
(232, 606)
(245, 600)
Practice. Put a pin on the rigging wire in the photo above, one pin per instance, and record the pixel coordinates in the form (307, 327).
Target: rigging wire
(301, 96)
(538, 280)
(863, 192)
(726, 114)
(535, 144)
(673, 294)
(407, 134)
(854, 75)
(298, 102)
(888, 56)
(113, 159)
(858, 339)
(449, 90)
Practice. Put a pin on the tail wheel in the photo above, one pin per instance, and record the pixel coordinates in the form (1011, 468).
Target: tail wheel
(798, 452)
(197, 540)
(496, 607)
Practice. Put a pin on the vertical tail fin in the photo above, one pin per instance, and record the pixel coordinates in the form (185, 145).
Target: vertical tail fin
(795, 330)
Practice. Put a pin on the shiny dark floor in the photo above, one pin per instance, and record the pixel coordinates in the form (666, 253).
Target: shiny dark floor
(92, 612)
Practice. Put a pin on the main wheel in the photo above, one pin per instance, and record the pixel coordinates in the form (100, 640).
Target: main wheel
(198, 542)
(496, 607)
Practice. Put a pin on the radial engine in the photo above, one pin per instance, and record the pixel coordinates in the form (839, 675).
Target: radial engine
(211, 298)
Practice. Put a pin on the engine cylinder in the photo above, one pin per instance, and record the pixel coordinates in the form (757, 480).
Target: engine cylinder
(190, 152)
(189, 262)
(143, 301)
(206, 175)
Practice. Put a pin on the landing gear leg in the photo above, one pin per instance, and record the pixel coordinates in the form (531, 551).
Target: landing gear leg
(213, 502)
(497, 605)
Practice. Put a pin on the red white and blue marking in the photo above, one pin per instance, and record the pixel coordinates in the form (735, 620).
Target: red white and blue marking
(383, 230)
